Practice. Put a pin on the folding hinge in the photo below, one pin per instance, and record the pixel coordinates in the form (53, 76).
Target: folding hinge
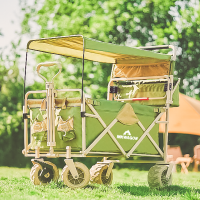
(166, 87)
(170, 86)
(83, 114)
(113, 89)
(25, 116)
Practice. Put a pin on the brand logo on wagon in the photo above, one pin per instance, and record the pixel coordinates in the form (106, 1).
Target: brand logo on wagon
(127, 136)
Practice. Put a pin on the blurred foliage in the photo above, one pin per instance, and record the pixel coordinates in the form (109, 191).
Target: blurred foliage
(11, 123)
(127, 22)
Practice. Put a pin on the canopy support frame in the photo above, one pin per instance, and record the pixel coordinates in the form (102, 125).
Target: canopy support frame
(25, 75)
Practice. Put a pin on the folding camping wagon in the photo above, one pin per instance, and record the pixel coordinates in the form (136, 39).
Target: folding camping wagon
(126, 125)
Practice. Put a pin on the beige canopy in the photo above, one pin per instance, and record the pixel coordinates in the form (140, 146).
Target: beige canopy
(76, 45)
(185, 118)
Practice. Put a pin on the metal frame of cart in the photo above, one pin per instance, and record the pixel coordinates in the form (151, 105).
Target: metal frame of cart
(84, 48)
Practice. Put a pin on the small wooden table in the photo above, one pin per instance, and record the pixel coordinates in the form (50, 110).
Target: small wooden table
(175, 155)
(185, 162)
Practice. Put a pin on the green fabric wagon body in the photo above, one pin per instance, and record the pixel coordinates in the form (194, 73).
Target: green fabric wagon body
(126, 135)
(128, 64)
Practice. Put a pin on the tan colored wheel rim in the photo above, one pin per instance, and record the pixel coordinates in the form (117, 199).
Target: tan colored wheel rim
(81, 181)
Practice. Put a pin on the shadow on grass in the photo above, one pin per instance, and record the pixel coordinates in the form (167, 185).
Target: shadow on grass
(146, 191)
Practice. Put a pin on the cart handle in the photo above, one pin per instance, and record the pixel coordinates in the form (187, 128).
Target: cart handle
(161, 47)
(49, 64)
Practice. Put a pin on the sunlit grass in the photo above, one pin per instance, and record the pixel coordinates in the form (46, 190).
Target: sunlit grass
(127, 184)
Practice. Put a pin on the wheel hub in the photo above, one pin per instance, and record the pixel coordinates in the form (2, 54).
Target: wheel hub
(47, 175)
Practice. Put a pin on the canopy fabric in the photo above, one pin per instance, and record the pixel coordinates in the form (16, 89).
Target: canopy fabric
(185, 118)
(95, 50)
(141, 70)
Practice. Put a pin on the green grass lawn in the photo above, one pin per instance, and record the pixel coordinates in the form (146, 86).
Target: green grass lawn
(127, 184)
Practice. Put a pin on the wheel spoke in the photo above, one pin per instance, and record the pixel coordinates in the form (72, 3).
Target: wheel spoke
(79, 181)
(81, 173)
(70, 179)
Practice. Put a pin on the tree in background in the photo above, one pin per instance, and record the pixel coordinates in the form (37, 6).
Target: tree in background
(11, 101)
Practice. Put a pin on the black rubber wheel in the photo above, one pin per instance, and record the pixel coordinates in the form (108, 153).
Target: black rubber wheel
(42, 176)
(157, 177)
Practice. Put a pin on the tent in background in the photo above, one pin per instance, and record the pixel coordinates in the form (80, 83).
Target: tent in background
(185, 118)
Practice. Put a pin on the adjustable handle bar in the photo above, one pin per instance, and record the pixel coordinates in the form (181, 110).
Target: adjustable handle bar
(48, 64)
(161, 47)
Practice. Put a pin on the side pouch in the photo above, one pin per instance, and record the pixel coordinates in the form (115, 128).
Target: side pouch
(39, 130)
(66, 129)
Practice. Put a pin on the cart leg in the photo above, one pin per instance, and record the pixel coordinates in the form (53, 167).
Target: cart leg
(70, 164)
